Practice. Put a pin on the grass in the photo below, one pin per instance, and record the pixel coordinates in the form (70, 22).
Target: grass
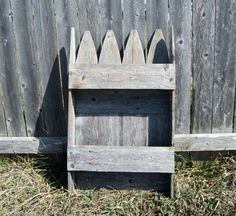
(34, 186)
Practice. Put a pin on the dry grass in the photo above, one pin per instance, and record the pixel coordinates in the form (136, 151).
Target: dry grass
(33, 186)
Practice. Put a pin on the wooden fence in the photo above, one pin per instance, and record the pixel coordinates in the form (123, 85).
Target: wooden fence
(34, 48)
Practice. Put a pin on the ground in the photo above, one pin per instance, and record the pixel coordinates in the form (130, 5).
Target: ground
(34, 186)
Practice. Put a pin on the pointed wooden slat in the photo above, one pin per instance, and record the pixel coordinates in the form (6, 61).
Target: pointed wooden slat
(133, 53)
(87, 52)
(110, 51)
(72, 46)
(158, 52)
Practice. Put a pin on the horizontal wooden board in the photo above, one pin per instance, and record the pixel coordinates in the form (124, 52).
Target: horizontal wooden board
(205, 142)
(32, 145)
(121, 159)
(126, 76)
(122, 101)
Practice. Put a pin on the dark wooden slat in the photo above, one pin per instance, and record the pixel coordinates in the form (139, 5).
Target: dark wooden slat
(9, 78)
(225, 67)
(181, 20)
(134, 18)
(121, 159)
(111, 19)
(52, 106)
(125, 76)
(203, 64)
(157, 17)
(89, 19)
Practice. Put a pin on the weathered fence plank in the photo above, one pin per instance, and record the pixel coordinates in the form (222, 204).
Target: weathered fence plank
(9, 78)
(90, 20)
(224, 67)
(203, 64)
(181, 19)
(111, 19)
(3, 128)
(134, 18)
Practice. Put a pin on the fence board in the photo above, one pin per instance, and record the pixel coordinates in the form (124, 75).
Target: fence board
(89, 19)
(134, 18)
(3, 129)
(9, 78)
(181, 19)
(203, 64)
(111, 19)
(225, 67)
(157, 17)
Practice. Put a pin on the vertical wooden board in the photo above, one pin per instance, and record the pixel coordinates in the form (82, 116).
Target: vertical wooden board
(52, 107)
(66, 15)
(134, 19)
(181, 20)
(29, 76)
(3, 129)
(203, 64)
(157, 52)
(157, 17)
(111, 19)
(89, 19)
(9, 78)
(225, 67)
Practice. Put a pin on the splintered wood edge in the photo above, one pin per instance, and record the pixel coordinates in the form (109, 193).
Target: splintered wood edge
(121, 159)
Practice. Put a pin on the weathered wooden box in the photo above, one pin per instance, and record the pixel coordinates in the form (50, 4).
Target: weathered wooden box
(120, 119)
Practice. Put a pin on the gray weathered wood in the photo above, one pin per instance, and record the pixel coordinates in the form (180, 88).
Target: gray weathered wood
(90, 20)
(224, 67)
(121, 159)
(3, 128)
(111, 19)
(87, 51)
(134, 18)
(32, 145)
(203, 64)
(205, 142)
(234, 131)
(157, 52)
(9, 78)
(157, 76)
(157, 17)
(181, 20)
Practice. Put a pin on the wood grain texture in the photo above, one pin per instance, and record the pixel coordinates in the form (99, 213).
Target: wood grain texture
(181, 20)
(90, 20)
(157, 17)
(205, 142)
(203, 64)
(111, 19)
(124, 76)
(32, 145)
(9, 78)
(134, 18)
(157, 52)
(87, 51)
(3, 128)
(121, 159)
(133, 53)
(225, 67)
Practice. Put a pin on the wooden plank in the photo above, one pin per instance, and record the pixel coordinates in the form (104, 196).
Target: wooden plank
(235, 114)
(121, 159)
(90, 20)
(11, 91)
(122, 101)
(3, 128)
(32, 145)
(87, 51)
(157, 17)
(134, 18)
(29, 75)
(203, 64)
(124, 76)
(224, 67)
(157, 52)
(110, 51)
(181, 20)
(133, 53)
(205, 142)
(111, 19)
